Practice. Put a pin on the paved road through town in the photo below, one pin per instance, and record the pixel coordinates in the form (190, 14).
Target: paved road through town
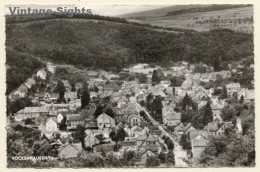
(179, 153)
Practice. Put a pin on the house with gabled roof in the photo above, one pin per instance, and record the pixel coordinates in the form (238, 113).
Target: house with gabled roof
(217, 129)
(233, 88)
(69, 151)
(198, 145)
(249, 95)
(104, 121)
(135, 120)
(178, 130)
(69, 96)
(32, 112)
(74, 121)
(149, 141)
(42, 74)
(188, 128)
(104, 147)
(172, 118)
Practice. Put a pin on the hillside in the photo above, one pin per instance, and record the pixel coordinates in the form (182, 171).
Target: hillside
(158, 12)
(109, 45)
(237, 19)
(204, 9)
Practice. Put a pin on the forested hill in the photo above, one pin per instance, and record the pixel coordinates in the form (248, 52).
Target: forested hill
(112, 45)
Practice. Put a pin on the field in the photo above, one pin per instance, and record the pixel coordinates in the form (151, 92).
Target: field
(238, 19)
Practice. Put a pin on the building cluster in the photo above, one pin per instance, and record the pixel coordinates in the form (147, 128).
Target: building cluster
(49, 116)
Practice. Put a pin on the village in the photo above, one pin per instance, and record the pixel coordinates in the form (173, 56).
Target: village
(139, 109)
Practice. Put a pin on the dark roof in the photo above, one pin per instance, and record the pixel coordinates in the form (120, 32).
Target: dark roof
(91, 124)
(105, 147)
(128, 143)
(75, 118)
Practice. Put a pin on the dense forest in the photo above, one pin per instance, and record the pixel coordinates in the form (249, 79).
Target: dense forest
(111, 46)
(204, 9)
(21, 66)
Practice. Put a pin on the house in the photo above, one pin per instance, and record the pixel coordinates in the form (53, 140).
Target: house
(47, 97)
(66, 85)
(48, 126)
(178, 130)
(105, 122)
(74, 121)
(50, 67)
(69, 151)
(59, 118)
(42, 74)
(104, 147)
(188, 128)
(135, 131)
(134, 120)
(198, 145)
(144, 154)
(172, 118)
(128, 145)
(233, 88)
(168, 99)
(111, 87)
(90, 139)
(217, 129)
(93, 95)
(249, 95)
(148, 141)
(201, 104)
(32, 112)
(70, 96)
(51, 125)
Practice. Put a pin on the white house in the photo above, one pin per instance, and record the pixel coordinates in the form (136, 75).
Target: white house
(42, 74)
(51, 125)
(105, 122)
(249, 95)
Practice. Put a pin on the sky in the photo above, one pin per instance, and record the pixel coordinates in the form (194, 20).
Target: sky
(100, 10)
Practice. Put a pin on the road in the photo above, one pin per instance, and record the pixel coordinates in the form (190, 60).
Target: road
(179, 153)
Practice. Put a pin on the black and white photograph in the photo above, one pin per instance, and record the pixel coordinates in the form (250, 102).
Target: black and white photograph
(130, 86)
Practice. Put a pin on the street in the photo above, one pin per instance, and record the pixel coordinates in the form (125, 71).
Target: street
(179, 153)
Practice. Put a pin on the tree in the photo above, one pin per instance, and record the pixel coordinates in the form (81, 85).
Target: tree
(63, 124)
(152, 161)
(101, 138)
(96, 88)
(162, 156)
(207, 114)
(28, 121)
(186, 102)
(186, 116)
(216, 64)
(185, 143)
(224, 92)
(241, 100)
(98, 111)
(170, 158)
(73, 89)
(85, 98)
(109, 111)
(228, 113)
(149, 101)
(142, 78)
(80, 134)
(155, 77)
(43, 148)
(60, 88)
(129, 158)
(117, 134)
(157, 109)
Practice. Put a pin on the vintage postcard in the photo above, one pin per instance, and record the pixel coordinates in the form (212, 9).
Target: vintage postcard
(129, 86)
